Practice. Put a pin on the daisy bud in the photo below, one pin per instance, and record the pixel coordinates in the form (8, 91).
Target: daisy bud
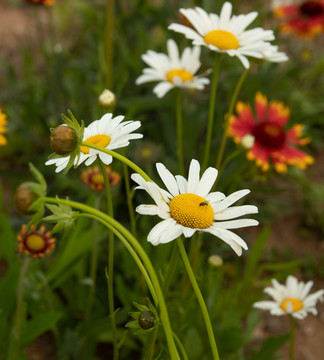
(63, 140)
(146, 319)
(24, 197)
(107, 99)
(215, 261)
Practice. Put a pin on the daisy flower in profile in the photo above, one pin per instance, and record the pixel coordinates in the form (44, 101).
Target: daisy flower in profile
(292, 298)
(271, 140)
(305, 18)
(225, 33)
(172, 70)
(109, 133)
(3, 129)
(187, 206)
(35, 242)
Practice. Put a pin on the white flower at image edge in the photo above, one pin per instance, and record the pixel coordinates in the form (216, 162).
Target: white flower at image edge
(109, 133)
(292, 298)
(187, 206)
(172, 70)
(225, 33)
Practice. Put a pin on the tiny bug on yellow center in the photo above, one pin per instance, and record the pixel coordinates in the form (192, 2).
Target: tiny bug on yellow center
(204, 203)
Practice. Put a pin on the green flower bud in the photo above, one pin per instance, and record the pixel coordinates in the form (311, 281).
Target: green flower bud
(146, 319)
(63, 140)
(24, 197)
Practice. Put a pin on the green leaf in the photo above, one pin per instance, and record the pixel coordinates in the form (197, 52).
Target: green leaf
(38, 325)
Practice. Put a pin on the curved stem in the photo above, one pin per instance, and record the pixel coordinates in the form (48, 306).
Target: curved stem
(144, 257)
(179, 132)
(129, 201)
(292, 338)
(111, 250)
(212, 101)
(130, 250)
(180, 346)
(228, 117)
(200, 299)
(122, 158)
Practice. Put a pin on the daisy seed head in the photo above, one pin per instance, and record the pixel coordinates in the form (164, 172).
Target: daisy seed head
(63, 140)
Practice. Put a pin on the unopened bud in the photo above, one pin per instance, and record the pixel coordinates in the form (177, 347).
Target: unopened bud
(146, 319)
(63, 140)
(215, 261)
(107, 99)
(24, 197)
(248, 141)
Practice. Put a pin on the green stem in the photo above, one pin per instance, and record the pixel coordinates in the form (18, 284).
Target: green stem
(179, 131)
(200, 299)
(129, 201)
(109, 43)
(144, 258)
(228, 117)
(180, 346)
(151, 343)
(292, 338)
(14, 345)
(212, 101)
(111, 251)
(122, 158)
(93, 267)
(171, 269)
(130, 250)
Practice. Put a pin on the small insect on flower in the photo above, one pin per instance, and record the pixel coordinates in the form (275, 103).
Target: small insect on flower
(35, 243)
(204, 203)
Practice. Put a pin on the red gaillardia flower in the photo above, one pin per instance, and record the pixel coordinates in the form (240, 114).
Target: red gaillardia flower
(41, 2)
(271, 140)
(94, 179)
(305, 18)
(35, 242)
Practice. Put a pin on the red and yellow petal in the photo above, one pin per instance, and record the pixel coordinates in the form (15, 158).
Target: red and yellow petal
(261, 105)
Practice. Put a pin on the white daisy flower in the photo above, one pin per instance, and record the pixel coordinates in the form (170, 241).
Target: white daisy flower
(271, 53)
(172, 70)
(187, 206)
(293, 299)
(109, 133)
(225, 33)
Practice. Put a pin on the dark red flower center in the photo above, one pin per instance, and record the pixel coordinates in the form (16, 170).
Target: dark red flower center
(311, 8)
(270, 136)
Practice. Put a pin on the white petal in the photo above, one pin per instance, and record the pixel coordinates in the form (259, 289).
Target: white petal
(206, 182)
(235, 211)
(168, 179)
(193, 177)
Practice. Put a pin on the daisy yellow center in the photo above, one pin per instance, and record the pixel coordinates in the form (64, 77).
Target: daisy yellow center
(222, 39)
(191, 211)
(182, 74)
(100, 140)
(291, 305)
(270, 136)
(35, 242)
